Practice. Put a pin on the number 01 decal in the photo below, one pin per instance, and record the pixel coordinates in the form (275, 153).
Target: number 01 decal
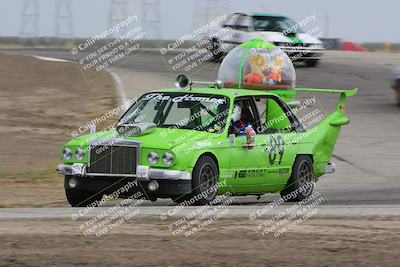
(276, 147)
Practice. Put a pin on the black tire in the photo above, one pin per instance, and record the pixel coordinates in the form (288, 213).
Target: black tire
(82, 198)
(205, 180)
(217, 54)
(302, 177)
(312, 63)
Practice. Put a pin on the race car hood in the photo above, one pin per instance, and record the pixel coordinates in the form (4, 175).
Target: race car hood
(160, 138)
(281, 38)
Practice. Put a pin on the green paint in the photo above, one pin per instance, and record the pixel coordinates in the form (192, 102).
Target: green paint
(240, 76)
(258, 43)
(295, 40)
(236, 161)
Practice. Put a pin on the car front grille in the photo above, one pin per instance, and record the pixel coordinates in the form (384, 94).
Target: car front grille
(113, 159)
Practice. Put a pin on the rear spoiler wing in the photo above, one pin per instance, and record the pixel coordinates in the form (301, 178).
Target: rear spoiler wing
(289, 96)
(343, 94)
(341, 105)
(346, 93)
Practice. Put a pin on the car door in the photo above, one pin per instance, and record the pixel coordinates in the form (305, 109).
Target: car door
(247, 164)
(279, 132)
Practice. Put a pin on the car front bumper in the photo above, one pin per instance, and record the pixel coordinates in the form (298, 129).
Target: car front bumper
(171, 183)
(302, 53)
(145, 173)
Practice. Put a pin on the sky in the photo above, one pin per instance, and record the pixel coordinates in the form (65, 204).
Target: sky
(352, 20)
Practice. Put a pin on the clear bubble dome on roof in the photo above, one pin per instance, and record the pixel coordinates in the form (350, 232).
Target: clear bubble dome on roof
(257, 63)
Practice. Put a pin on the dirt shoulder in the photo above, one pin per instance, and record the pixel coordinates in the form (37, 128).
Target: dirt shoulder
(41, 103)
(315, 242)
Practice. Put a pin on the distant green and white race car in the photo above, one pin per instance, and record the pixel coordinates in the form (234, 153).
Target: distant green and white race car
(237, 135)
(277, 29)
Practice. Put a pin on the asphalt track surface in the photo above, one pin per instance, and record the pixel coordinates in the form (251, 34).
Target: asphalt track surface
(368, 150)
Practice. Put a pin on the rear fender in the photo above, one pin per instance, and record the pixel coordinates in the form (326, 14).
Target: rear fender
(320, 141)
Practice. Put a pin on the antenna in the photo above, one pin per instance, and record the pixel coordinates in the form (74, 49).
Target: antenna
(64, 28)
(30, 19)
(118, 12)
(151, 19)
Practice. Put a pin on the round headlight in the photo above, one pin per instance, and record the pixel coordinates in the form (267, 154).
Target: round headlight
(67, 153)
(153, 157)
(168, 158)
(80, 154)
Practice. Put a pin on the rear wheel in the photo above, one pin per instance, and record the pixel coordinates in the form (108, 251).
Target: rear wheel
(82, 198)
(301, 183)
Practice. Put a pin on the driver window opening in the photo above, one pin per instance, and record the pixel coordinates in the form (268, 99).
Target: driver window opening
(243, 116)
(273, 119)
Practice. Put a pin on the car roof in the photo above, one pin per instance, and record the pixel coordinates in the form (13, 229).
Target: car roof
(260, 14)
(231, 93)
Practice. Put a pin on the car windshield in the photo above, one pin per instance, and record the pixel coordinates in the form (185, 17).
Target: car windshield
(275, 24)
(199, 112)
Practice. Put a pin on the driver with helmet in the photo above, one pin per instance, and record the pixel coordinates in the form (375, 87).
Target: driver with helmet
(241, 118)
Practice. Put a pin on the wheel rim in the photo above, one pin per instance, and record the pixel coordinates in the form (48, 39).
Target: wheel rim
(306, 177)
(207, 179)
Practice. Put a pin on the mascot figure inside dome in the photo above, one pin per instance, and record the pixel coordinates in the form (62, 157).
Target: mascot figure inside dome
(262, 72)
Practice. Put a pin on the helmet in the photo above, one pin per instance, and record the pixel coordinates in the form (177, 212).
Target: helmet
(237, 112)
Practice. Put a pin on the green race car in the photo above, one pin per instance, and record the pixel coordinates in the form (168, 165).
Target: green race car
(194, 143)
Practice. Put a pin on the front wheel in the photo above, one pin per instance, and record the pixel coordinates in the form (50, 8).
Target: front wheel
(205, 180)
(301, 182)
